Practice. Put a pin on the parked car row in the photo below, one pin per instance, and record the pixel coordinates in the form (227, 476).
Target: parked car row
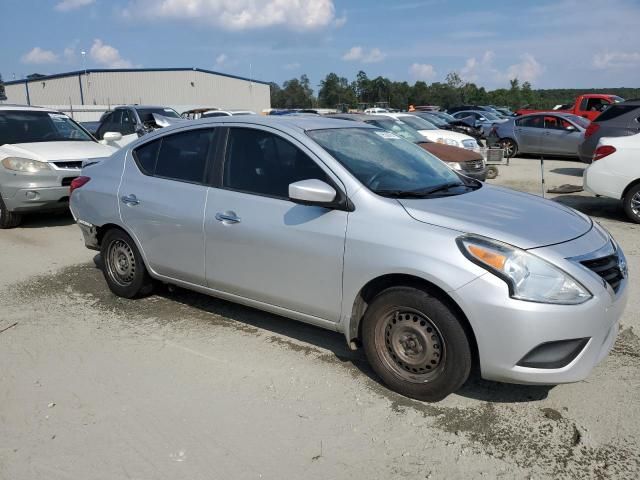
(350, 227)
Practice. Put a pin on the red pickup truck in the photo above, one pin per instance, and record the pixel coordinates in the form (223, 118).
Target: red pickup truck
(587, 106)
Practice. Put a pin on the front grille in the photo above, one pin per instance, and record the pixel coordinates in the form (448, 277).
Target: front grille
(66, 181)
(608, 268)
(473, 165)
(70, 165)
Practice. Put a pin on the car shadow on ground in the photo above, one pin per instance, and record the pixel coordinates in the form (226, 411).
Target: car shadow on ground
(41, 220)
(310, 340)
(600, 207)
(574, 172)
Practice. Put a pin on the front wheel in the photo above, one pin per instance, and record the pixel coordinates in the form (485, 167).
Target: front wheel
(8, 219)
(631, 202)
(510, 147)
(416, 344)
(123, 267)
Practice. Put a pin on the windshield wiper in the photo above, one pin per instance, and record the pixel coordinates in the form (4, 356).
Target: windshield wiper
(400, 193)
(439, 188)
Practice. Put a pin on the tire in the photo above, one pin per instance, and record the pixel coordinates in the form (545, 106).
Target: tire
(8, 219)
(123, 267)
(416, 344)
(510, 147)
(492, 172)
(631, 202)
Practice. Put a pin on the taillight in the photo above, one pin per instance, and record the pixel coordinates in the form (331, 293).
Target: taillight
(591, 129)
(603, 151)
(77, 183)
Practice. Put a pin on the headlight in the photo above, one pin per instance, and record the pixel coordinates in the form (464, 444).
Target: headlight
(455, 166)
(24, 165)
(529, 277)
(450, 141)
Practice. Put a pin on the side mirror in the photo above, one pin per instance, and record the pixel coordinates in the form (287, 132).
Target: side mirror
(570, 128)
(312, 192)
(112, 136)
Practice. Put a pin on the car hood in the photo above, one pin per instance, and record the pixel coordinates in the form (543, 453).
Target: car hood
(449, 153)
(433, 135)
(48, 151)
(520, 219)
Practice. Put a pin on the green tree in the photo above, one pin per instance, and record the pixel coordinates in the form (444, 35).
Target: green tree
(297, 93)
(335, 90)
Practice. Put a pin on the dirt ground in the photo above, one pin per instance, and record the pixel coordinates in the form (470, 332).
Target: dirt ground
(182, 386)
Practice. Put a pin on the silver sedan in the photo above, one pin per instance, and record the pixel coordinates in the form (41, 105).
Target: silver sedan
(351, 228)
(550, 133)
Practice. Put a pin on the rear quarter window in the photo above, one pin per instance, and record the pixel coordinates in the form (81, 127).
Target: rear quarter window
(616, 111)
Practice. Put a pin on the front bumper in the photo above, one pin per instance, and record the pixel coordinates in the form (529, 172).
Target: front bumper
(23, 192)
(507, 330)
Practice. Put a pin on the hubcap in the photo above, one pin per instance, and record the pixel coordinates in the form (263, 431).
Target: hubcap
(508, 147)
(121, 263)
(411, 345)
(635, 204)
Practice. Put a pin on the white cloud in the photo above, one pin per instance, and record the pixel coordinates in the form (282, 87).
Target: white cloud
(528, 70)
(107, 56)
(340, 22)
(238, 14)
(66, 5)
(221, 59)
(292, 66)
(38, 56)
(359, 54)
(422, 71)
(605, 60)
(484, 70)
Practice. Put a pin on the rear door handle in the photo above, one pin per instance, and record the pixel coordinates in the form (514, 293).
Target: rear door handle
(227, 217)
(130, 200)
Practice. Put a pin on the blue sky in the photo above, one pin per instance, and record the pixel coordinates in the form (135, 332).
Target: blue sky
(557, 43)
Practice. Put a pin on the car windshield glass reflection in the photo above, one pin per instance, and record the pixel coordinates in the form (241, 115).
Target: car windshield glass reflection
(389, 165)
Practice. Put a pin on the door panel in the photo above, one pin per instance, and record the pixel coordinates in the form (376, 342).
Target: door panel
(559, 140)
(530, 134)
(264, 247)
(278, 252)
(166, 214)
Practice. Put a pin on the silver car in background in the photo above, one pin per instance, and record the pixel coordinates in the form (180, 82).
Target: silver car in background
(550, 133)
(351, 228)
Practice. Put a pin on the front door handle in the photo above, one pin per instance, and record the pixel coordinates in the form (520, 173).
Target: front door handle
(227, 217)
(130, 200)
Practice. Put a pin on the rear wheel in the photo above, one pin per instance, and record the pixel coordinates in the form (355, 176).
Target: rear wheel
(123, 267)
(416, 344)
(510, 147)
(631, 202)
(8, 219)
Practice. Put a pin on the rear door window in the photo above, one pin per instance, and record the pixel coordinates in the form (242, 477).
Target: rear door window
(616, 111)
(531, 122)
(182, 156)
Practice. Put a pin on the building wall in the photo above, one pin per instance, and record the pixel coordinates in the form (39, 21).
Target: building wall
(179, 89)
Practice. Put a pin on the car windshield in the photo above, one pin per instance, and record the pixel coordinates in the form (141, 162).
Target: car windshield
(146, 114)
(617, 99)
(23, 126)
(389, 165)
(399, 128)
(489, 115)
(445, 116)
(417, 122)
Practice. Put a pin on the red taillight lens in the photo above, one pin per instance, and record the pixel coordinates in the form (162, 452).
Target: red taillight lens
(591, 129)
(77, 183)
(602, 151)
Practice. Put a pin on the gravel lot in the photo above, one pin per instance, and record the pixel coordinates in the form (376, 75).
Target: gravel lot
(180, 385)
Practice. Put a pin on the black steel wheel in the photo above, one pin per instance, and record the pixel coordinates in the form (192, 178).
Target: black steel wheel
(631, 202)
(416, 343)
(123, 267)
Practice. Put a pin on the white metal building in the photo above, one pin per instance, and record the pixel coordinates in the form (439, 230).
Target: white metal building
(94, 91)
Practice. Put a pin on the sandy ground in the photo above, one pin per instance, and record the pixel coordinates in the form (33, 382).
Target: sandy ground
(180, 385)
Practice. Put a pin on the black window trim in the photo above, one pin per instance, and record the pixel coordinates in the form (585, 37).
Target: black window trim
(211, 154)
(342, 202)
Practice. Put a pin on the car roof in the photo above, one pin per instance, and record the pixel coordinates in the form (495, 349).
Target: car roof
(551, 113)
(358, 117)
(139, 106)
(25, 108)
(298, 122)
(633, 102)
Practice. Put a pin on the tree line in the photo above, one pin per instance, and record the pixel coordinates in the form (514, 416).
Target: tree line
(338, 92)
